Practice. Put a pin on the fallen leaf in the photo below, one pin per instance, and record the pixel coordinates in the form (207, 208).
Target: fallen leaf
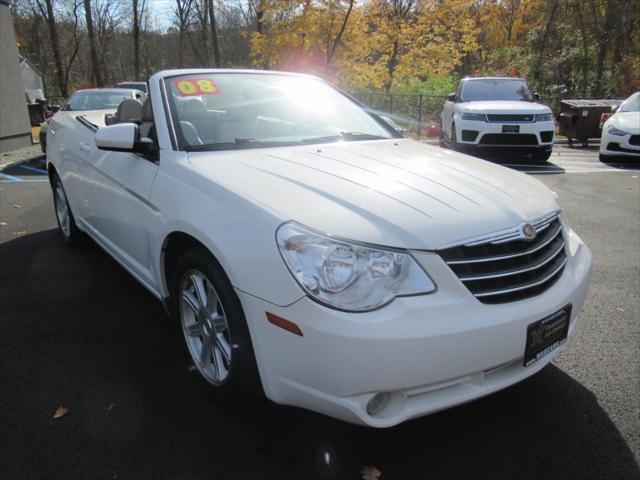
(110, 406)
(620, 309)
(17, 205)
(21, 232)
(370, 473)
(60, 412)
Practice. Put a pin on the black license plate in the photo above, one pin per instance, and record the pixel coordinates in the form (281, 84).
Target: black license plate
(510, 128)
(546, 335)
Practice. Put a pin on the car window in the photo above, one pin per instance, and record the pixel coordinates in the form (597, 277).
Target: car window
(495, 89)
(134, 86)
(631, 104)
(95, 101)
(249, 110)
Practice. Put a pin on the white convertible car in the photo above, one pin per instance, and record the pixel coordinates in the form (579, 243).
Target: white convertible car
(310, 252)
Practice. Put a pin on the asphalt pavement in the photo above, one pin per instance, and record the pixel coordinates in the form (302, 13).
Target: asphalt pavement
(78, 332)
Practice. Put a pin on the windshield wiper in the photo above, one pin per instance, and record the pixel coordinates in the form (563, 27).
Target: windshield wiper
(238, 143)
(346, 136)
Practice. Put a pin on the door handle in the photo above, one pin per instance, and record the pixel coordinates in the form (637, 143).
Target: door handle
(84, 147)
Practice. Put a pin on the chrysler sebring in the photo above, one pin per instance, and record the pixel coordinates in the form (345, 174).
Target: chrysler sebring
(310, 252)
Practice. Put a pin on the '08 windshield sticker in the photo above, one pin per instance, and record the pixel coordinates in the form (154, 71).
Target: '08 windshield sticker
(188, 87)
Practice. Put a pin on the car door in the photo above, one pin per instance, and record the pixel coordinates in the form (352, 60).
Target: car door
(117, 210)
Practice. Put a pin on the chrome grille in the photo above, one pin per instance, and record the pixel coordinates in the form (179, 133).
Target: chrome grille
(493, 117)
(505, 267)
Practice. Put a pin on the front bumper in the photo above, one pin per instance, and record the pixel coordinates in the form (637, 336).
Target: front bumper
(619, 145)
(531, 135)
(426, 352)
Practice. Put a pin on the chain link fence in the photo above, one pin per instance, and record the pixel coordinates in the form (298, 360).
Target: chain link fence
(417, 113)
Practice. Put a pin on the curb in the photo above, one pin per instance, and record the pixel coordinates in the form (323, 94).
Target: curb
(19, 161)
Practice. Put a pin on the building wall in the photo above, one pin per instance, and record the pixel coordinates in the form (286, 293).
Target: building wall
(15, 128)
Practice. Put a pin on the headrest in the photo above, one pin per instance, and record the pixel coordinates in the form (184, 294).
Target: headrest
(147, 112)
(129, 110)
(193, 108)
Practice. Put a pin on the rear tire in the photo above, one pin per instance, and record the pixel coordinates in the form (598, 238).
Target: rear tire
(214, 328)
(454, 138)
(541, 156)
(64, 216)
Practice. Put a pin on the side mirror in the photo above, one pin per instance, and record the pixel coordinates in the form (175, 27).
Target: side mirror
(54, 108)
(451, 97)
(123, 137)
(614, 108)
(536, 97)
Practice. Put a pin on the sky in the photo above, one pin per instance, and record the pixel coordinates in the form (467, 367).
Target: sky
(161, 12)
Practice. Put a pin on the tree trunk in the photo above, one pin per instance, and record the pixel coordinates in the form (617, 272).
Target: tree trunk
(545, 36)
(603, 47)
(214, 35)
(138, 15)
(512, 17)
(262, 6)
(55, 44)
(96, 74)
(391, 65)
(338, 38)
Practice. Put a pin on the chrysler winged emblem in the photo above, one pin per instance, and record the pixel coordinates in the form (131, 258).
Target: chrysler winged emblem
(528, 231)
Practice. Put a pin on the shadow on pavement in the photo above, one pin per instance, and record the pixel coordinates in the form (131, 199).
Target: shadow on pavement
(35, 167)
(78, 331)
(623, 163)
(517, 162)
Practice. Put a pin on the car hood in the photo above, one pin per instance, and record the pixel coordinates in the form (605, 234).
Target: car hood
(627, 121)
(502, 107)
(398, 193)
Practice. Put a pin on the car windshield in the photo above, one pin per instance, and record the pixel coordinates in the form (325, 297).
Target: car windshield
(250, 110)
(495, 89)
(95, 101)
(631, 104)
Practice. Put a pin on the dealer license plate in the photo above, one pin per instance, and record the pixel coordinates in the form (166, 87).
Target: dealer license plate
(546, 335)
(510, 128)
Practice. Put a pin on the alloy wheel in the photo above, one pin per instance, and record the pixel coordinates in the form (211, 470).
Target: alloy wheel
(205, 327)
(62, 209)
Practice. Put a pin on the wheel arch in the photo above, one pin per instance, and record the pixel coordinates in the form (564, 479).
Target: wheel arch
(175, 244)
(51, 170)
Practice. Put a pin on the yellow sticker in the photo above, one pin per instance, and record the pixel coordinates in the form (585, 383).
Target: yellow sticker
(196, 86)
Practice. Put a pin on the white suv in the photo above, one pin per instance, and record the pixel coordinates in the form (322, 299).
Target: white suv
(497, 112)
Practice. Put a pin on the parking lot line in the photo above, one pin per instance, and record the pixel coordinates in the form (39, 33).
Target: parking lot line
(5, 178)
(10, 178)
(34, 169)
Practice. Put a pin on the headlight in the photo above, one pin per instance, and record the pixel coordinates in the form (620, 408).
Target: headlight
(544, 117)
(616, 131)
(478, 117)
(346, 275)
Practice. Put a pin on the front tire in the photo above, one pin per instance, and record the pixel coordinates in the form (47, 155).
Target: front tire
(541, 156)
(66, 222)
(454, 138)
(214, 327)
(604, 158)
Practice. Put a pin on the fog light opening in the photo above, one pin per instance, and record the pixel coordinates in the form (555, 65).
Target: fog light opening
(377, 403)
